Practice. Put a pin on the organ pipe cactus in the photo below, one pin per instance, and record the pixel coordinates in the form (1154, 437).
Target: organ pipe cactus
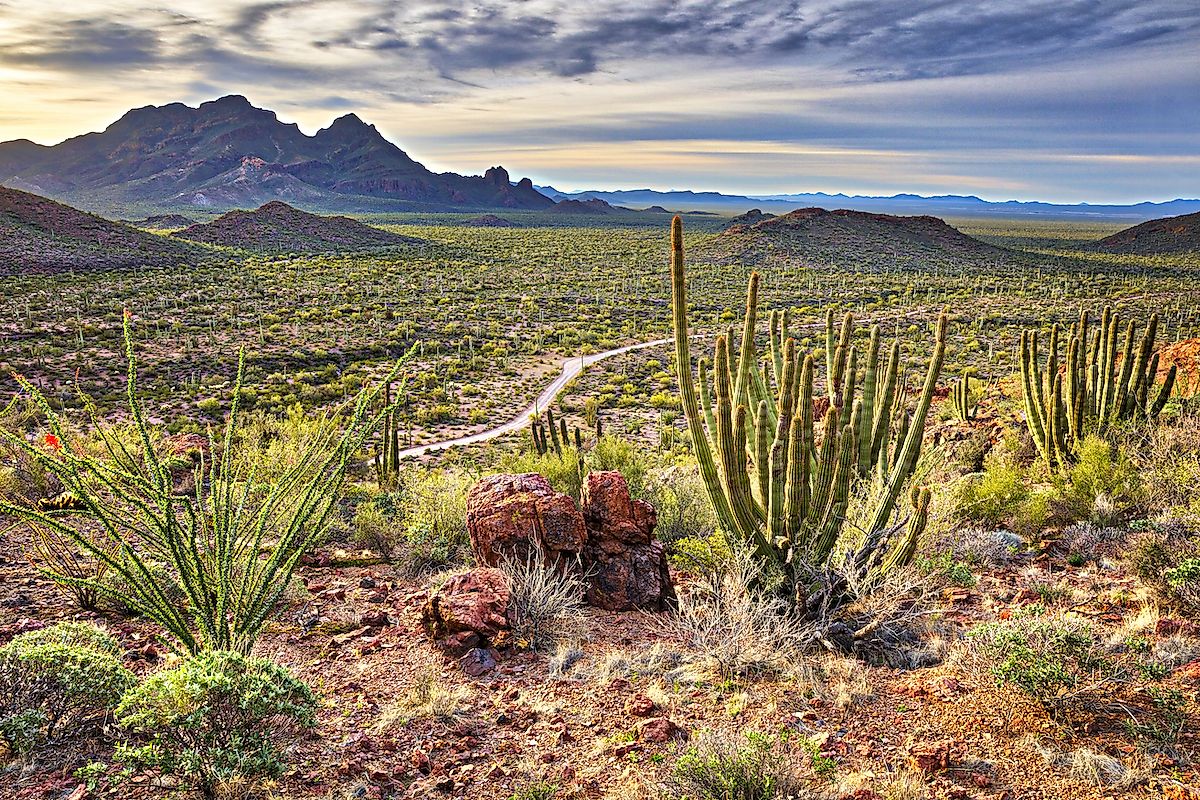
(387, 457)
(1099, 384)
(960, 399)
(781, 480)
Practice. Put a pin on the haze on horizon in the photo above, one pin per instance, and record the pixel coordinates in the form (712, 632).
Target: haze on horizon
(1075, 101)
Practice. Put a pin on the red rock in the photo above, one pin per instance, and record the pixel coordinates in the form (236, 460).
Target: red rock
(512, 516)
(474, 603)
(930, 756)
(478, 662)
(421, 762)
(640, 705)
(626, 568)
(658, 730)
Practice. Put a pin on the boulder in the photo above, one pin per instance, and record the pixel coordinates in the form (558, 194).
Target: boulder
(513, 516)
(469, 611)
(626, 568)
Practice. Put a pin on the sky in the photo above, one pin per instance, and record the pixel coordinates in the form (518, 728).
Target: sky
(1063, 101)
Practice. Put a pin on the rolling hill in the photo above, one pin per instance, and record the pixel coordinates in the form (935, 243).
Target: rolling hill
(227, 153)
(41, 235)
(280, 227)
(1165, 236)
(817, 237)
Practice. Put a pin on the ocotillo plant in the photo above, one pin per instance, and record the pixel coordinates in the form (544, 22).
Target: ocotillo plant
(775, 485)
(960, 399)
(1097, 386)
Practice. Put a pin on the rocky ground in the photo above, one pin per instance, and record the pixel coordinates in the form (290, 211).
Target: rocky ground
(609, 712)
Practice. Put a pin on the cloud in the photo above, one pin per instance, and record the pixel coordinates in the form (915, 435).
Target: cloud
(961, 87)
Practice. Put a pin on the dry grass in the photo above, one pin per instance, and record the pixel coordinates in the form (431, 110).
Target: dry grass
(545, 603)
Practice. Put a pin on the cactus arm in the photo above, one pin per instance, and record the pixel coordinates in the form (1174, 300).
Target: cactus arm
(1164, 394)
(706, 398)
(687, 389)
(907, 460)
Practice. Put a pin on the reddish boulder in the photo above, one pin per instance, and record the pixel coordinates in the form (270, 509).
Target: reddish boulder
(512, 516)
(469, 611)
(659, 730)
(626, 568)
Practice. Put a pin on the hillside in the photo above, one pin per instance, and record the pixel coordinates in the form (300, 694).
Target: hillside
(1157, 237)
(278, 226)
(817, 237)
(40, 235)
(227, 153)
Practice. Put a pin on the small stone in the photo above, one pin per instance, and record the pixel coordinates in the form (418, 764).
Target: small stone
(367, 582)
(478, 662)
(640, 705)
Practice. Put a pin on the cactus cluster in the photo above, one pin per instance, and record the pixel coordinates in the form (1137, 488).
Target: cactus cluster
(548, 436)
(1097, 385)
(387, 457)
(774, 483)
(960, 400)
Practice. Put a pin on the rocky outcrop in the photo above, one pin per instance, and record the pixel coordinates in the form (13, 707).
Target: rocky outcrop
(513, 516)
(626, 567)
(469, 612)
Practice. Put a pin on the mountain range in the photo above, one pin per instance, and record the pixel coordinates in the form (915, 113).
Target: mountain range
(227, 153)
(938, 205)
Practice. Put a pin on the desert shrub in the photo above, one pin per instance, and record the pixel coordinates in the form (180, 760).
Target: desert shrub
(995, 495)
(1167, 558)
(684, 510)
(23, 478)
(217, 718)
(1168, 458)
(562, 471)
(736, 627)
(750, 766)
(433, 509)
(975, 546)
(545, 601)
(536, 790)
(1102, 485)
(1050, 657)
(375, 525)
(612, 453)
(709, 555)
(57, 678)
(231, 545)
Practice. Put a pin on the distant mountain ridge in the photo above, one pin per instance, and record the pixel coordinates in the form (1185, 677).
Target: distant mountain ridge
(902, 204)
(227, 153)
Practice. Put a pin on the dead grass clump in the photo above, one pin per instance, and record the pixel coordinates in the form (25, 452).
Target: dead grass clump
(545, 601)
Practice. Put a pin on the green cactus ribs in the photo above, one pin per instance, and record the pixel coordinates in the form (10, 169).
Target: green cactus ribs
(1099, 384)
(779, 467)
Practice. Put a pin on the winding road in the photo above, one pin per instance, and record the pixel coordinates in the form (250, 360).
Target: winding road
(571, 368)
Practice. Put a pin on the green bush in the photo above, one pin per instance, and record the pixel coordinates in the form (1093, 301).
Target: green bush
(1102, 485)
(1169, 560)
(433, 509)
(1046, 656)
(561, 471)
(684, 510)
(57, 678)
(995, 495)
(219, 718)
(613, 453)
(751, 767)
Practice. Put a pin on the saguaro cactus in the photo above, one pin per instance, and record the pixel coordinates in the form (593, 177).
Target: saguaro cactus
(773, 482)
(1097, 386)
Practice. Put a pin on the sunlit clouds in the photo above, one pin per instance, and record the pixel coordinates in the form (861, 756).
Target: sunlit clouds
(1060, 101)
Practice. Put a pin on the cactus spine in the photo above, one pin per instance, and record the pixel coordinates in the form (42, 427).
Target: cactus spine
(772, 481)
(1098, 385)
